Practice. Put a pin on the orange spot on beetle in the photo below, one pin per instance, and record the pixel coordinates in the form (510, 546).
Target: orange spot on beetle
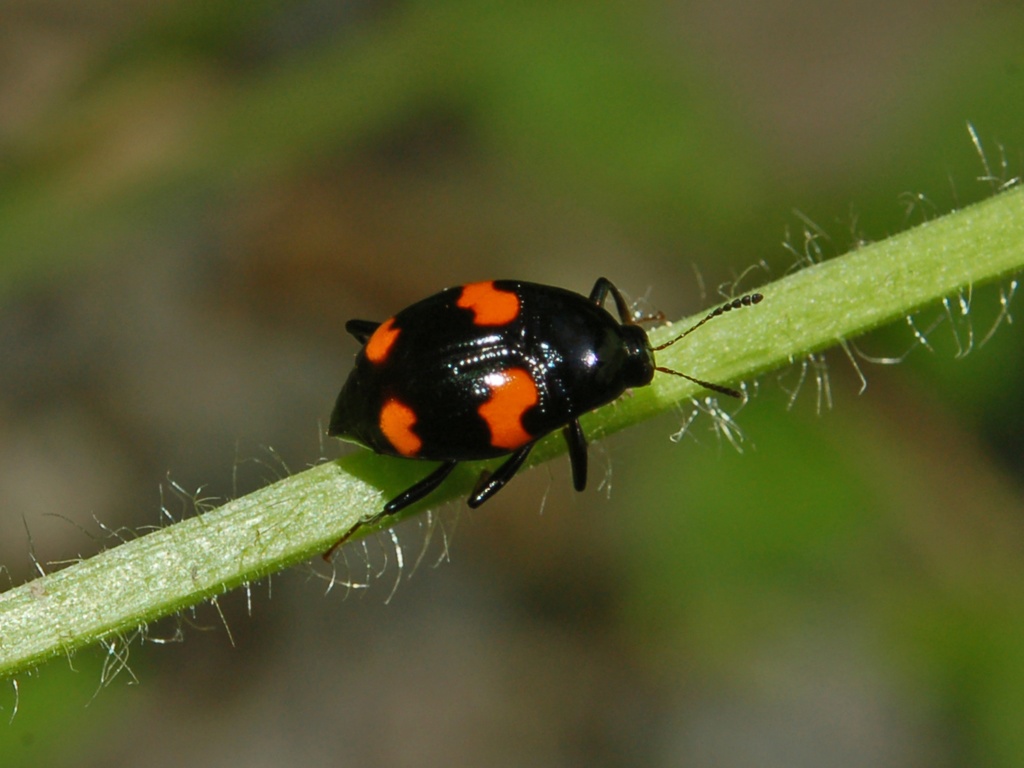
(380, 343)
(489, 305)
(396, 422)
(512, 394)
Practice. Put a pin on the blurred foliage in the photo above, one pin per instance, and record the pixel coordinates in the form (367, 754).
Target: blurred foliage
(387, 148)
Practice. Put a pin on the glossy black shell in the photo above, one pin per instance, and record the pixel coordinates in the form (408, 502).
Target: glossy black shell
(578, 355)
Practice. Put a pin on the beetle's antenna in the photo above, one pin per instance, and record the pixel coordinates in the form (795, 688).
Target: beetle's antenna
(744, 301)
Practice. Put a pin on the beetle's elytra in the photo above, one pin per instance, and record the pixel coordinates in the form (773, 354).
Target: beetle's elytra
(486, 370)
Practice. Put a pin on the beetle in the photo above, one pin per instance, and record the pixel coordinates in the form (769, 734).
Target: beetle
(487, 369)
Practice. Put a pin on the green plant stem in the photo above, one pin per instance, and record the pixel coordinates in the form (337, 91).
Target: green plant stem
(303, 515)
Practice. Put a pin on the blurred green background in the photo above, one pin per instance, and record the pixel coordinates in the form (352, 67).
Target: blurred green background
(194, 197)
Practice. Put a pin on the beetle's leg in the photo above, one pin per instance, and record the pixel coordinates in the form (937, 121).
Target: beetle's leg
(414, 493)
(577, 443)
(491, 485)
(409, 496)
(361, 329)
(602, 288)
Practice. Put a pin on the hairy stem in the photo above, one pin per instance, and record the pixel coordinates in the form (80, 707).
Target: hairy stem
(303, 515)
